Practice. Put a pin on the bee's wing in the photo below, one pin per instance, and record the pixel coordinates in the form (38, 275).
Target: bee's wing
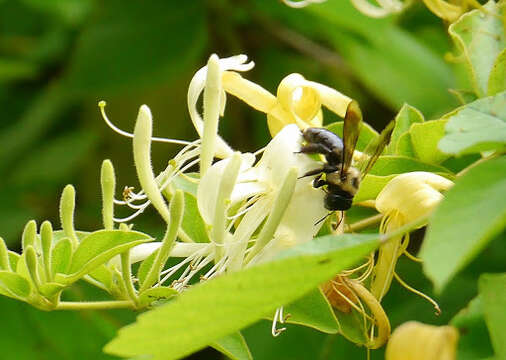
(351, 130)
(374, 149)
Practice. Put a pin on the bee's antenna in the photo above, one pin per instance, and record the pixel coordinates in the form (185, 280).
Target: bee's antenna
(323, 218)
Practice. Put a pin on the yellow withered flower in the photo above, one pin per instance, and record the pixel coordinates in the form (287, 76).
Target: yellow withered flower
(405, 199)
(417, 341)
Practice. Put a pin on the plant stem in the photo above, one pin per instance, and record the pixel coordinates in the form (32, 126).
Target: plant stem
(95, 305)
(365, 223)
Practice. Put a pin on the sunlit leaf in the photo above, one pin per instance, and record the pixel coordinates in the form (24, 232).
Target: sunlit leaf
(371, 186)
(480, 36)
(367, 133)
(472, 212)
(14, 285)
(406, 116)
(392, 164)
(476, 127)
(98, 248)
(223, 305)
(425, 138)
(497, 79)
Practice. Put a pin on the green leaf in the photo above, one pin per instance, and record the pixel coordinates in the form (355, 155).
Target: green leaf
(405, 146)
(61, 256)
(425, 138)
(234, 346)
(476, 127)
(50, 289)
(226, 304)
(103, 275)
(474, 341)
(407, 116)
(99, 247)
(352, 326)
(371, 186)
(121, 50)
(392, 164)
(367, 133)
(493, 294)
(472, 212)
(146, 266)
(193, 225)
(313, 310)
(497, 79)
(156, 294)
(480, 36)
(14, 285)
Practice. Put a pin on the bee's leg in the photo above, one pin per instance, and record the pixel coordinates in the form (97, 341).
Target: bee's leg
(313, 148)
(327, 169)
(317, 183)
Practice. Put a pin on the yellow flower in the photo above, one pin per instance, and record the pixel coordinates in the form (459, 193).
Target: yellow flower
(417, 341)
(406, 198)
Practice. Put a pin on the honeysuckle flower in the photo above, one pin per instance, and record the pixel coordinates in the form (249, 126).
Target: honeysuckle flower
(417, 341)
(297, 101)
(254, 194)
(406, 198)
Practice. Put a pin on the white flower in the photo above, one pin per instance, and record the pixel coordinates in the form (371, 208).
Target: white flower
(254, 195)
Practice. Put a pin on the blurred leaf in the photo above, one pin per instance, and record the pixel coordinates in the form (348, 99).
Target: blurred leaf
(476, 127)
(72, 12)
(493, 294)
(476, 204)
(34, 122)
(371, 186)
(99, 247)
(218, 307)
(69, 150)
(313, 310)
(406, 116)
(480, 36)
(352, 326)
(497, 79)
(425, 138)
(474, 341)
(14, 285)
(15, 70)
(233, 346)
(392, 164)
(367, 133)
(137, 43)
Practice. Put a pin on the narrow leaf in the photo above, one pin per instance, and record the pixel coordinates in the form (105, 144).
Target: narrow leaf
(14, 285)
(221, 306)
(476, 203)
(61, 256)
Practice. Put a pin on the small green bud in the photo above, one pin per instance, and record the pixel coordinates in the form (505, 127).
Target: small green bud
(108, 182)
(67, 207)
(4, 256)
(46, 239)
(32, 265)
(29, 234)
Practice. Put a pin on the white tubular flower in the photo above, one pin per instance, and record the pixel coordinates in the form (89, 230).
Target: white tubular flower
(269, 190)
(301, 3)
(417, 341)
(197, 85)
(406, 198)
(382, 9)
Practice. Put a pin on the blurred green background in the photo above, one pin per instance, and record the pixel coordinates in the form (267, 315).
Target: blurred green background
(58, 58)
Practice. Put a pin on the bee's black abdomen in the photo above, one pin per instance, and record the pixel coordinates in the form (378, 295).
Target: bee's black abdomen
(338, 201)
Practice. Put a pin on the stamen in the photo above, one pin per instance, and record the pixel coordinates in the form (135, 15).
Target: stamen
(278, 316)
(411, 256)
(419, 293)
(102, 105)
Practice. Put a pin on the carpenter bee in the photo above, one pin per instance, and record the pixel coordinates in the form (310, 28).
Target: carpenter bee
(337, 177)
